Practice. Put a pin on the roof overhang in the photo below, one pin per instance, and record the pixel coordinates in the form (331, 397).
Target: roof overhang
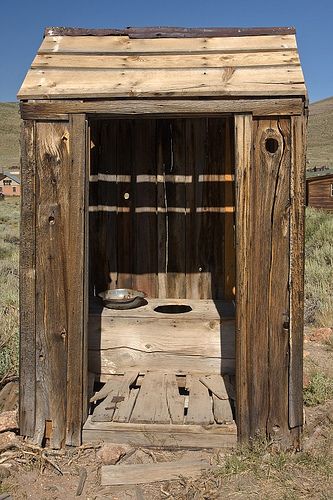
(76, 63)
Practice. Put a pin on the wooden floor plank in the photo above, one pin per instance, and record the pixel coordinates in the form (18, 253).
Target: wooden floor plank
(174, 400)
(124, 410)
(151, 404)
(119, 391)
(200, 403)
(216, 385)
(222, 410)
(161, 435)
(125, 474)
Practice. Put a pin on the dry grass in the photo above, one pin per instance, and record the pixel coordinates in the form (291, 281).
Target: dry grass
(9, 255)
(318, 268)
(9, 135)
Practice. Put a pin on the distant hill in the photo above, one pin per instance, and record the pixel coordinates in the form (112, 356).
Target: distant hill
(320, 140)
(9, 135)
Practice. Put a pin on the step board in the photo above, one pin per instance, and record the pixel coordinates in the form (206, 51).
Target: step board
(164, 398)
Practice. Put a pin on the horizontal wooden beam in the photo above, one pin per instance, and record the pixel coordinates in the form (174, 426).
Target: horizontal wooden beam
(169, 32)
(59, 109)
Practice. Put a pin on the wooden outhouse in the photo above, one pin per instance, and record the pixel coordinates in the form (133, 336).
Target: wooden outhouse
(319, 191)
(171, 161)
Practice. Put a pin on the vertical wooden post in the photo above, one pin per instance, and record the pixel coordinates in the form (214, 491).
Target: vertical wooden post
(27, 281)
(76, 271)
(263, 159)
(298, 136)
(243, 164)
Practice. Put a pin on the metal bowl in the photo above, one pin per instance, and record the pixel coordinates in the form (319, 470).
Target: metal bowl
(122, 298)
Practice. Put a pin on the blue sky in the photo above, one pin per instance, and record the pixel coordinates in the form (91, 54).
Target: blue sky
(23, 22)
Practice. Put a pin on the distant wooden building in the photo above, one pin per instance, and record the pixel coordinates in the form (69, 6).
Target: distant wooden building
(319, 192)
(10, 184)
(172, 161)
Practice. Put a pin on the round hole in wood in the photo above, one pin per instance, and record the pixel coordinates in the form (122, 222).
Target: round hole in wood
(271, 145)
(173, 309)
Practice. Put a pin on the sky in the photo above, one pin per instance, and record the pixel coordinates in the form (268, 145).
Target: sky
(22, 23)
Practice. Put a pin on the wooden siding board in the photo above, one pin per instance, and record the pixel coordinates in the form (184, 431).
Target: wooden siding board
(298, 144)
(53, 166)
(261, 81)
(262, 235)
(27, 282)
(162, 107)
(75, 296)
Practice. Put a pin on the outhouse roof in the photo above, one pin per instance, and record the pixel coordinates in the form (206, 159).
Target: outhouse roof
(165, 62)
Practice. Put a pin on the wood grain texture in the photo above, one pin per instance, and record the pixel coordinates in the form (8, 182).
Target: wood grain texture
(319, 192)
(243, 165)
(76, 297)
(169, 436)
(151, 404)
(159, 107)
(262, 345)
(200, 404)
(52, 220)
(27, 281)
(77, 83)
(167, 31)
(297, 215)
(112, 475)
(116, 44)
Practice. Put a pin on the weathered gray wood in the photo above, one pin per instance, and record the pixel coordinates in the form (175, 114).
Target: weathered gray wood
(156, 435)
(112, 475)
(76, 298)
(27, 281)
(200, 403)
(222, 410)
(118, 390)
(298, 144)
(216, 385)
(52, 223)
(243, 164)
(262, 237)
(160, 107)
(151, 404)
(175, 401)
(124, 410)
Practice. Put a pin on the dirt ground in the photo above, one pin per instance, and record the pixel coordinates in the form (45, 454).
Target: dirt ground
(259, 472)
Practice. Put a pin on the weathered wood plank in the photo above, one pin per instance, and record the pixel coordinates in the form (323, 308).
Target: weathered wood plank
(201, 310)
(168, 436)
(118, 390)
(298, 144)
(158, 107)
(149, 61)
(124, 410)
(222, 410)
(151, 404)
(75, 278)
(167, 31)
(243, 165)
(263, 81)
(112, 475)
(104, 363)
(200, 403)
(216, 385)
(53, 165)
(178, 336)
(145, 223)
(174, 400)
(27, 281)
(116, 44)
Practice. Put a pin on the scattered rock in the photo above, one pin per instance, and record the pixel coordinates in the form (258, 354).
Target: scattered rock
(8, 421)
(321, 335)
(4, 472)
(111, 453)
